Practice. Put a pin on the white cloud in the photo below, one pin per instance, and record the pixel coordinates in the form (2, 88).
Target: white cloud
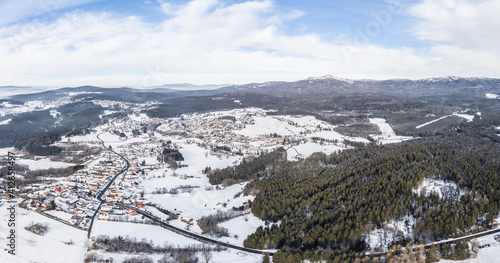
(209, 41)
(470, 24)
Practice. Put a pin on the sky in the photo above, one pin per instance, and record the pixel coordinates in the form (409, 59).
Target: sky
(143, 43)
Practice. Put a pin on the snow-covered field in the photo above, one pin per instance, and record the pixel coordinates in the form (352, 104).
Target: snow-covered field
(199, 201)
(161, 237)
(224, 256)
(242, 226)
(28, 106)
(5, 122)
(43, 164)
(492, 96)
(5, 151)
(267, 125)
(467, 117)
(81, 138)
(158, 235)
(49, 248)
(388, 134)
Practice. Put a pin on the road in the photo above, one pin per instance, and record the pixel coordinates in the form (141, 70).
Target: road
(110, 183)
(197, 236)
(452, 240)
(124, 170)
(158, 221)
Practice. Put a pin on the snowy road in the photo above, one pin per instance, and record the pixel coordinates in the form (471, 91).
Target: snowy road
(199, 237)
(99, 196)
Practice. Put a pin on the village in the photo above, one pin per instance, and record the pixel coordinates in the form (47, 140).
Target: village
(141, 141)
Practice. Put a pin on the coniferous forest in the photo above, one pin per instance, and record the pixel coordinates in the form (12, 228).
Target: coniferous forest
(323, 207)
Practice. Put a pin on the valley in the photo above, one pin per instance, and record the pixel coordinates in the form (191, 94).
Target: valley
(233, 175)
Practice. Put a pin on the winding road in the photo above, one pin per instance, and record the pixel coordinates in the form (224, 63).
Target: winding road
(198, 237)
(158, 221)
(110, 183)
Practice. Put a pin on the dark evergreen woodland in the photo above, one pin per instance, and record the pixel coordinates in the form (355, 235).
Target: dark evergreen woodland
(326, 204)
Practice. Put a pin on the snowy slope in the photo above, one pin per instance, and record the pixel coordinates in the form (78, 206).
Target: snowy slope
(51, 247)
(43, 164)
(267, 125)
(388, 134)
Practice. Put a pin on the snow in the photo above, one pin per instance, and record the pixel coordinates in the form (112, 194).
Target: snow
(298, 126)
(62, 215)
(54, 113)
(492, 96)
(439, 187)
(5, 151)
(82, 138)
(306, 149)
(198, 158)
(327, 135)
(467, 117)
(157, 234)
(309, 121)
(267, 125)
(242, 226)
(198, 203)
(5, 122)
(378, 238)
(484, 255)
(139, 118)
(357, 139)
(29, 106)
(384, 127)
(231, 256)
(48, 248)
(430, 122)
(388, 134)
(42, 164)
(224, 256)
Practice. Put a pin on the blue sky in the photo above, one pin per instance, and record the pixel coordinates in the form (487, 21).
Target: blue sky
(149, 42)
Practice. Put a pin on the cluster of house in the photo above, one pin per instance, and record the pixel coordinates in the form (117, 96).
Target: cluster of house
(76, 195)
(219, 129)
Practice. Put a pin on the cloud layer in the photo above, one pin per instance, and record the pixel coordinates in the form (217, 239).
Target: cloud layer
(211, 41)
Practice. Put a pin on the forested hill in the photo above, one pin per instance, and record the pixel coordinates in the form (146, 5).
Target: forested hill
(326, 205)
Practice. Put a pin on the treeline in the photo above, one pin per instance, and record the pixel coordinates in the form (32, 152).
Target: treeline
(40, 145)
(208, 224)
(247, 170)
(458, 251)
(133, 246)
(52, 172)
(327, 205)
(37, 228)
(172, 156)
